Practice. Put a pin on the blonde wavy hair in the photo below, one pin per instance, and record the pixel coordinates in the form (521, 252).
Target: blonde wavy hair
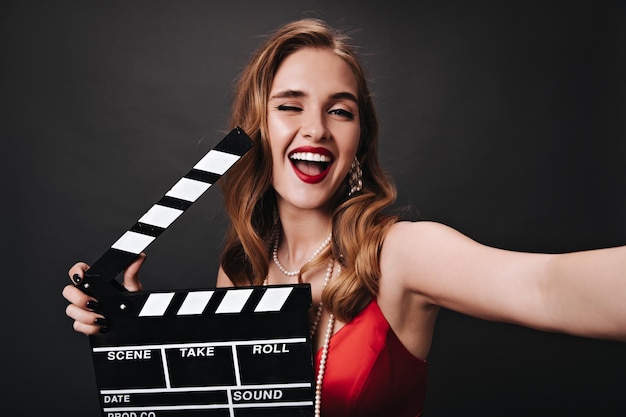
(358, 223)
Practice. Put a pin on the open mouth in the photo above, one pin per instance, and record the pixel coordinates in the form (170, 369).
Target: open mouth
(311, 165)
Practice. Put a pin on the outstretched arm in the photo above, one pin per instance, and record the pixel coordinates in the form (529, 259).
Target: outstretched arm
(581, 293)
(586, 292)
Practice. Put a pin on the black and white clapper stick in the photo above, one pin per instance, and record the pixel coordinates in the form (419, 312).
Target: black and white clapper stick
(100, 278)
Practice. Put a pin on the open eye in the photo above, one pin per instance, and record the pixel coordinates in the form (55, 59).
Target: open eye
(343, 113)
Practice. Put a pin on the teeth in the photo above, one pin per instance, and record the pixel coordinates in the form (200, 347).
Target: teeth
(309, 156)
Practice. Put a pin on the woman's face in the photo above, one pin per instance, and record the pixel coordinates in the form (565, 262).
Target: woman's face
(314, 130)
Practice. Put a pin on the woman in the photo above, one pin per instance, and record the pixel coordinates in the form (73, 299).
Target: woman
(314, 196)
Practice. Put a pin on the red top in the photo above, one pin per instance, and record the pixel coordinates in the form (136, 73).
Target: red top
(369, 372)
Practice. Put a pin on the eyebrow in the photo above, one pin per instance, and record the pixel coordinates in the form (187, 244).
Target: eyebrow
(297, 93)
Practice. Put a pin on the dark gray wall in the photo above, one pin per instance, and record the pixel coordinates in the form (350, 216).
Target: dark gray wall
(502, 119)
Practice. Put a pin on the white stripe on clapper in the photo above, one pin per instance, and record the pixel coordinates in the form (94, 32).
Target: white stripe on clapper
(195, 303)
(216, 162)
(233, 301)
(133, 242)
(273, 299)
(156, 304)
(188, 189)
(160, 216)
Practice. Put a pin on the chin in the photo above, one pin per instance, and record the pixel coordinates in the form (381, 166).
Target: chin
(312, 201)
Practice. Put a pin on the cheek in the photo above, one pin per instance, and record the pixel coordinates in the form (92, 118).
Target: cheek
(280, 132)
(280, 124)
(351, 145)
(348, 151)
(276, 140)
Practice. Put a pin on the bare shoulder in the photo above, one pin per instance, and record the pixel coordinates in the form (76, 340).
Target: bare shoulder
(415, 252)
(407, 244)
(406, 235)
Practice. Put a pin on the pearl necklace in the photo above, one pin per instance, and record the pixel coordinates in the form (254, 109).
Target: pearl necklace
(323, 359)
(280, 266)
(320, 373)
(329, 332)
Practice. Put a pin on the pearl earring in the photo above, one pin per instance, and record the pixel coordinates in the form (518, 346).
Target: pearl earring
(355, 177)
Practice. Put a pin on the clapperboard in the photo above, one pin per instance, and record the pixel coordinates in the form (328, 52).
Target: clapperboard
(235, 352)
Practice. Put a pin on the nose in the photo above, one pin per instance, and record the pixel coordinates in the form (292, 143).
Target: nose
(314, 126)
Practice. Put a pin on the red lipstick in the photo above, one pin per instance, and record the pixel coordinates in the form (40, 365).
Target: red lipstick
(311, 164)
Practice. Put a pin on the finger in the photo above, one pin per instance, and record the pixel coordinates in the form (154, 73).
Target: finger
(77, 272)
(82, 315)
(80, 299)
(87, 329)
(87, 322)
(131, 274)
(76, 296)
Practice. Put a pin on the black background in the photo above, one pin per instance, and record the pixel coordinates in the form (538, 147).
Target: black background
(502, 119)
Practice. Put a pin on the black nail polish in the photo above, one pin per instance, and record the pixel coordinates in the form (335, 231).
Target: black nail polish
(76, 278)
(101, 321)
(93, 305)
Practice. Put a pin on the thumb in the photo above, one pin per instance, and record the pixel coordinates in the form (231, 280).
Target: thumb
(131, 274)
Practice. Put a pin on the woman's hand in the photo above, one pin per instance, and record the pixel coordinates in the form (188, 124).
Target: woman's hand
(84, 309)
